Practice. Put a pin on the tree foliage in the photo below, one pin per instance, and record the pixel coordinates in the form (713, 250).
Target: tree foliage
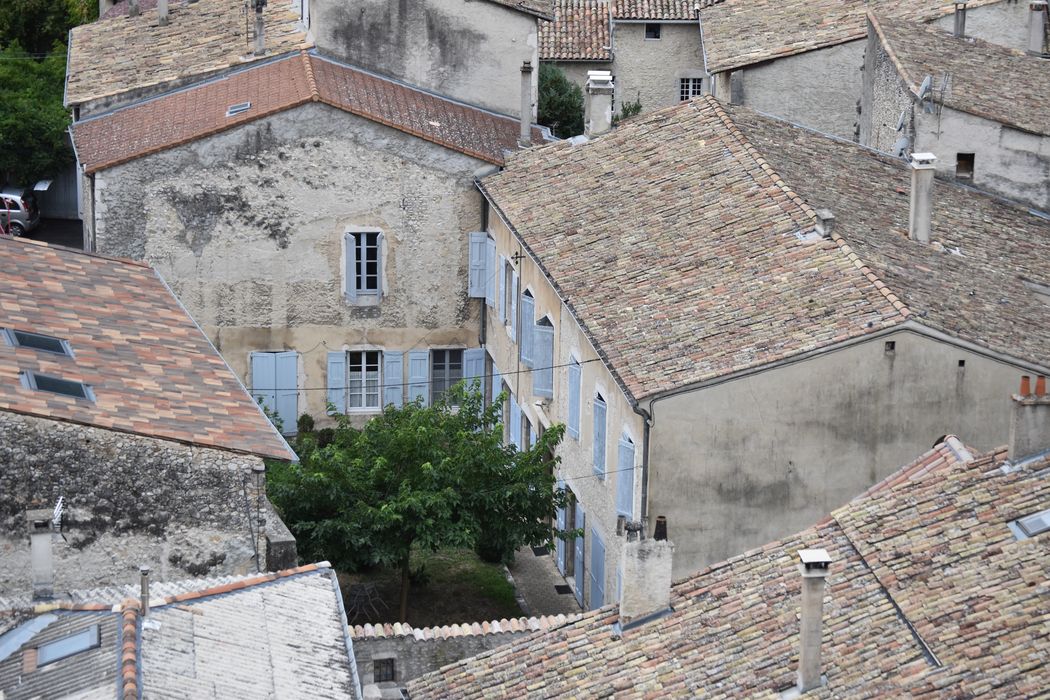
(560, 102)
(38, 25)
(430, 477)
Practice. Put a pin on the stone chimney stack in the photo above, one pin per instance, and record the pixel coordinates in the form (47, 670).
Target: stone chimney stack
(597, 117)
(1036, 27)
(1030, 422)
(814, 569)
(960, 18)
(162, 12)
(43, 565)
(525, 135)
(133, 8)
(645, 570)
(921, 210)
(260, 27)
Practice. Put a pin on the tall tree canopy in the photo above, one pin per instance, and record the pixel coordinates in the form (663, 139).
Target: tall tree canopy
(560, 102)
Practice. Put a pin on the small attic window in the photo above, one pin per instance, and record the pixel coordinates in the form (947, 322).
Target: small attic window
(1032, 525)
(65, 647)
(239, 108)
(45, 343)
(652, 30)
(57, 385)
(964, 166)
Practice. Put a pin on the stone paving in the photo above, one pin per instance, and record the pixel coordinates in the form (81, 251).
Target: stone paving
(534, 579)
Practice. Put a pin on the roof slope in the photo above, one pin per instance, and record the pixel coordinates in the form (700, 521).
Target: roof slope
(741, 32)
(199, 111)
(114, 56)
(675, 245)
(654, 9)
(937, 549)
(969, 282)
(579, 32)
(984, 79)
(540, 8)
(152, 370)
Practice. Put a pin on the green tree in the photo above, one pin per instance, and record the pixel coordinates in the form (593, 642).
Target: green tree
(560, 102)
(426, 477)
(37, 25)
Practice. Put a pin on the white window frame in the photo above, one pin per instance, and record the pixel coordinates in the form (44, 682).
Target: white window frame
(356, 294)
(363, 408)
(449, 383)
(690, 87)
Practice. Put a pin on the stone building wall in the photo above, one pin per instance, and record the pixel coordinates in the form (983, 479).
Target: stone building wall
(650, 69)
(129, 500)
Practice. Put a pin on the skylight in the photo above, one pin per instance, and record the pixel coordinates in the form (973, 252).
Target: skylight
(57, 385)
(45, 343)
(238, 108)
(65, 647)
(1031, 525)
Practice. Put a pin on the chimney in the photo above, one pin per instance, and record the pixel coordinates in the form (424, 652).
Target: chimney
(960, 18)
(597, 118)
(260, 29)
(1030, 422)
(104, 6)
(144, 589)
(645, 570)
(921, 210)
(1036, 27)
(133, 8)
(525, 136)
(40, 529)
(162, 12)
(814, 569)
(825, 222)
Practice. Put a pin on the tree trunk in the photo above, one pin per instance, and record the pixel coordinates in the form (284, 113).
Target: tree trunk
(405, 582)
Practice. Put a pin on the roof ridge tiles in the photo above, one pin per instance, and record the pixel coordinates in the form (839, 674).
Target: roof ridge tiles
(308, 66)
(129, 649)
(241, 584)
(881, 286)
(892, 53)
(466, 629)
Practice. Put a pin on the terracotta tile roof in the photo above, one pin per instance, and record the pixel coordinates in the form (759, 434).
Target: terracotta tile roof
(653, 9)
(152, 370)
(540, 8)
(990, 81)
(969, 282)
(199, 111)
(929, 595)
(945, 455)
(472, 629)
(579, 32)
(674, 244)
(741, 32)
(114, 56)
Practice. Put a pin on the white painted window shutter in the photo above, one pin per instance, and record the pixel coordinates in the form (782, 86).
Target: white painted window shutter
(525, 344)
(287, 391)
(574, 400)
(599, 437)
(625, 478)
(393, 378)
(419, 375)
(478, 254)
(337, 380)
(490, 272)
(513, 320)
(350, 271)
(264, 380)
(543, 354)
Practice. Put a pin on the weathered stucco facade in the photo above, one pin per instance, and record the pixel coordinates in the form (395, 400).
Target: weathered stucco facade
(651, 70)
(248, 229)
(470, 50)
(131, 500)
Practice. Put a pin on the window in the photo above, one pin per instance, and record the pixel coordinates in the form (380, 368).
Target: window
(44, 343)
(275, 385)
(625, 477)
(65, 647)
(57, 385)
(510, 303)
(363, 276)
(477, 286)
(362, 380)
(526, 343)
(575, 377)
(599, 435)
(652, 31)
(964, 166)
(689, 88)
(543, 358)
(446, 370)
(1031, 525)
(383, 671)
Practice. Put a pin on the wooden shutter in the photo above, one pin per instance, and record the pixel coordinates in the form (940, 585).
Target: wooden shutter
(578, 558)
(559, 525)
(474, 368)
(337, 380)
(574, 400)
(264, 380)
(393, 378)
(490, 272)
(515, 422)
(419, 375)
(525, 344)
(513, 319)
(543, 354)
(597, 571)
(599, 437)
(287, 391)
(497, 383)
(501, 273)
(478, 254)
(625, 478)
(379, 265)
(350, 269)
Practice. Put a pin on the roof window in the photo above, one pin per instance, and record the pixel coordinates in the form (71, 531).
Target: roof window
(57, 385)
(652, 31)
(45, 343)
(1032, 525)
(239, 108)
(65, 647)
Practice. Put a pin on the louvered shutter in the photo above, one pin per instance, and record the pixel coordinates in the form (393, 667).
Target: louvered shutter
(597, 571)
(478, 254)
(393, 378)
(579, 571)
(525, 344)
(497, 383)
(513, 306)
(474, 368)
(574, 400)
(264, 380)
(543, 346)
(337, 380)
(625, 478)
(419, 375)
(379, 265)
(501, 274)
(350, 269)
(287, 391)
(515, 423)
(490, 272)
(559, 543)
(599, 437)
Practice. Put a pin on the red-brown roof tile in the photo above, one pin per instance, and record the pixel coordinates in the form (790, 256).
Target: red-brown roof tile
(579, 32)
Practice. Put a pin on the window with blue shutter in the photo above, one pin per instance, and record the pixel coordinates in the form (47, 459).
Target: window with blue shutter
(490, 273)
(559, 543)
(264, 380)
(625, 478)
(497, 383)
(512, 321)
(337, 381)
(515, 423)
(599, 435)
(597, 571)
(419, 375)
(575, 379)
(578, 568)
(501, 275)
(525, 344)
(363, 271)
(478, 255)
(543, 353)
(393, 378)
(275, 385)
(474, 369)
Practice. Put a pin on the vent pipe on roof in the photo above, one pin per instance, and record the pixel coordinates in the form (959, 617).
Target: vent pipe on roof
(40, 521)
(1037, 27)
(960, 18)
(162, 12)
(597, 116)
(1030, 422)
(921, 209)
(525, 135)
(645, 573)
(144, 589)
(814, 569)
(133, 8)
(260, 28)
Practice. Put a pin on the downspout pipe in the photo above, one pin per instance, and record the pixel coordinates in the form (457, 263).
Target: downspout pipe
(647, 422)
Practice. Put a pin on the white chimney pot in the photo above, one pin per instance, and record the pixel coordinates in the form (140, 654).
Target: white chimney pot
(597, 116)
(920, 211)
(41, 556)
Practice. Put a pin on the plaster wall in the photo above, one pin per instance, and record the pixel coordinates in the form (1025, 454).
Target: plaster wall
(650, 69)
(247, 227)
(471, 50)
(576, 71)
(576, 467)
(1004, 23)
(129, 500)
(748, 461)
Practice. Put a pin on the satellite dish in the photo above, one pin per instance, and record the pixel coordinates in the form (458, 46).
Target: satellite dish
(900, 148)
(901, 118)
(924, 89)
